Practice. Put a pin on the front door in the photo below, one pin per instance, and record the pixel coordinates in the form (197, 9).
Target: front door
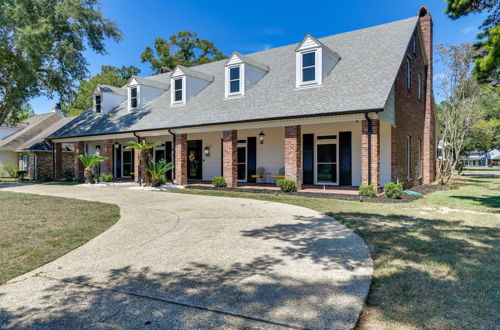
(242, 162)
(326, 161)
(127, 163)
(195, 159)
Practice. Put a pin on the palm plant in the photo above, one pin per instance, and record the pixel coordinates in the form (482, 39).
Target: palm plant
(157, 171)
(88, 162)
(144, 157)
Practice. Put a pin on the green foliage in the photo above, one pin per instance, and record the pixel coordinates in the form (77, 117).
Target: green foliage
(11, 170)
(158, 171)
(162, 180)
(183, 48)
(82, 100)
(47, 177)
(20, 174)
(20, 114)
(287, 185)
(454, 186)
(143, 145)
(105, 177)
(488, 61)
(367, 190)
(393, 190)
(219, 181)
(43, 45)
(89, 161)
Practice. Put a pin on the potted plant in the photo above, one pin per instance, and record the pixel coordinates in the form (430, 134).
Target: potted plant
(88, 162)
(158, 171)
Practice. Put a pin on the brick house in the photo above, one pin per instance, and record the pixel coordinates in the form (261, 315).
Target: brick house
(344, 110)
(27, 148)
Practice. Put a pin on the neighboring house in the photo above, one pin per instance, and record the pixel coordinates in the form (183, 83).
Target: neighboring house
(489, 158)
(348, 109)
(28, 149)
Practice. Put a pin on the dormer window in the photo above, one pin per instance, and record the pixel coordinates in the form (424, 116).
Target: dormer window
(178, 90)
(234, 80)
(98, 104)
(309, 67)
(133, 97)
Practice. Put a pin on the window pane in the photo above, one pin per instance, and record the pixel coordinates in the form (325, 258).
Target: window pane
(241, 171)
(327, 153)
(327, 173)
(308, 74)
(133, 92)
(133, 103)
(234, 73)
(242, 155)
(178, 84)
(234, 86)
(127, 156)
(178, 95)
(308, 59)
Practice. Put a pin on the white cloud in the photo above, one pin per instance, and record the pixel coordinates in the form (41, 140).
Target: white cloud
(469, 29)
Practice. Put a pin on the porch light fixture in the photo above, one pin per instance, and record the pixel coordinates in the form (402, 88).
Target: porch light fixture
(117, 145)
(261, 137)
(206, 150)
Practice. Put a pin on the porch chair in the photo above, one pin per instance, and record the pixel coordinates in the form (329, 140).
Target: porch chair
(281, 174)
(260, 173)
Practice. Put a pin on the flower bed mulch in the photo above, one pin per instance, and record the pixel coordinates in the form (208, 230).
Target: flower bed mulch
(405, 198)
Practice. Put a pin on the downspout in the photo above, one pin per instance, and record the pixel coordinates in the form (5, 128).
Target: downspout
(139, 169)
(369, 131)
(173, 154)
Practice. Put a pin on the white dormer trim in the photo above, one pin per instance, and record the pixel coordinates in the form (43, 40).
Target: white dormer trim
(318, 68)
(227, 90)
(133, 84)
(94, 103)
(182, 77)
(308, 43)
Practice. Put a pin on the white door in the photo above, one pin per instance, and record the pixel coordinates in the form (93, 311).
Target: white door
(326, 170)
(242, 162)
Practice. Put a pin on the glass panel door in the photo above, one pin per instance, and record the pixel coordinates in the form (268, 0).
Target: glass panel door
(195, 160)
(242, 163)
(127, 163)
(326, 165)
(159, 154)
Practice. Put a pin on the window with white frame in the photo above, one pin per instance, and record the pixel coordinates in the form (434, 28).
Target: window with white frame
(178, 90)
(408, 73)
(308, 71)
(420, 86)
(98, 103)
(408, 157)
(25, 162)
(134, 100)
(235, 80)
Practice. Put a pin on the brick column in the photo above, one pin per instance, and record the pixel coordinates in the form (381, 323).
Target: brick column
(107, 151)
(78, 166)
(181, 165)
(229, 157)
(58, 161)
(293, 154)
(374, 152)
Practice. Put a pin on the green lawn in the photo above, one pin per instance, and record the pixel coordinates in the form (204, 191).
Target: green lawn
(437, 259)
(36, 229)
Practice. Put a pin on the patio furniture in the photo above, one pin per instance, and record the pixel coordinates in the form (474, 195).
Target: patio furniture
(260, 174)
(281, 174)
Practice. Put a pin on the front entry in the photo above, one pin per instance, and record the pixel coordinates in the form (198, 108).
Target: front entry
(326, 160)
(241, 161)
(195, 159)
(127, 163)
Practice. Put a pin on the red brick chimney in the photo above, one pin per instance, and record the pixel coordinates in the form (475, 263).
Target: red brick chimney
(429, 147)
(165, 69)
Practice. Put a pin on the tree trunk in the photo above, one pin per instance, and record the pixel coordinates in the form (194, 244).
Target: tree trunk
(146, 176)
(89, 178)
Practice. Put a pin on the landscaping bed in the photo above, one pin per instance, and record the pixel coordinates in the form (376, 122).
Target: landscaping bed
(405, 198)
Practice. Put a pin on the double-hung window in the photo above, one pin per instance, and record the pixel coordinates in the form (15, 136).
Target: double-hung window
(234, 80)
(178, 92)
(98, 103)
(309, 67)
(133, 97)
(408, 73)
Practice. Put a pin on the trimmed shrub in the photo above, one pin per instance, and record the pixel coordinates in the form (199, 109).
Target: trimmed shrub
(367, 190)
(105, 177)
(219, 181)
(454, 186)
(47, 177)
(393, 190)
(11, 170)
(287, 185)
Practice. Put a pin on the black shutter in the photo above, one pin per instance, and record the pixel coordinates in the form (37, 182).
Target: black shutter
(345, 155)
(251, 158)
(168, 158)
(308, 159)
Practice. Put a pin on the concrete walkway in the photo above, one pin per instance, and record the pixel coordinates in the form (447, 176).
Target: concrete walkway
(186, 261)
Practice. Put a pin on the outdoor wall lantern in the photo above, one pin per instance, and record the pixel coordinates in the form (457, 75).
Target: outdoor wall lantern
(117, 145)
(206, 150)
(261, 137)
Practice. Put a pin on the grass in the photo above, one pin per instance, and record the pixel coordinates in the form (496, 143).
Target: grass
(437, 259)
(35, 229)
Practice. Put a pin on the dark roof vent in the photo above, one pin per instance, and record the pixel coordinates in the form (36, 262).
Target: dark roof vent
(165, 69)
(56, 107)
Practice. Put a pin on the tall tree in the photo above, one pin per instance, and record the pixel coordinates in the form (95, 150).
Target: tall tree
(488, 60)
(183, 48)
(42, 45)
(18, 115)
(81, 100)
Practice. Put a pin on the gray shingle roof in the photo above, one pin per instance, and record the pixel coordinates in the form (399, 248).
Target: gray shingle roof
(151, 82)
(361, 81)
(112, 89)
(250, 61)
(195, 74)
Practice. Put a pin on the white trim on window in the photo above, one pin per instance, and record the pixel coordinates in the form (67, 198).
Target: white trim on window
(134, 101)
(317, 68)
(240, 79)
(176, 91)
(98, 103)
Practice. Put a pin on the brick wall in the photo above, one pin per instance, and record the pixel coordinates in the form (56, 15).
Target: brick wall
(181, 170)
(58, 161)
(374, 150)
(229, 157)
(107, 151)
(293, 154)
(78, 166)
(42, 164)
(410, 118)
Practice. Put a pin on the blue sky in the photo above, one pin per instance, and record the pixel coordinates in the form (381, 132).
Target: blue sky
(250, 26)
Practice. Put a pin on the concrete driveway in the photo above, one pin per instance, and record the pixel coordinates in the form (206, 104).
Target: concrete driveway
(186, 261)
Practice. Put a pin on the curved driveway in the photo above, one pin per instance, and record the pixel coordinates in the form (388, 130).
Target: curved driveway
(188, 261)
